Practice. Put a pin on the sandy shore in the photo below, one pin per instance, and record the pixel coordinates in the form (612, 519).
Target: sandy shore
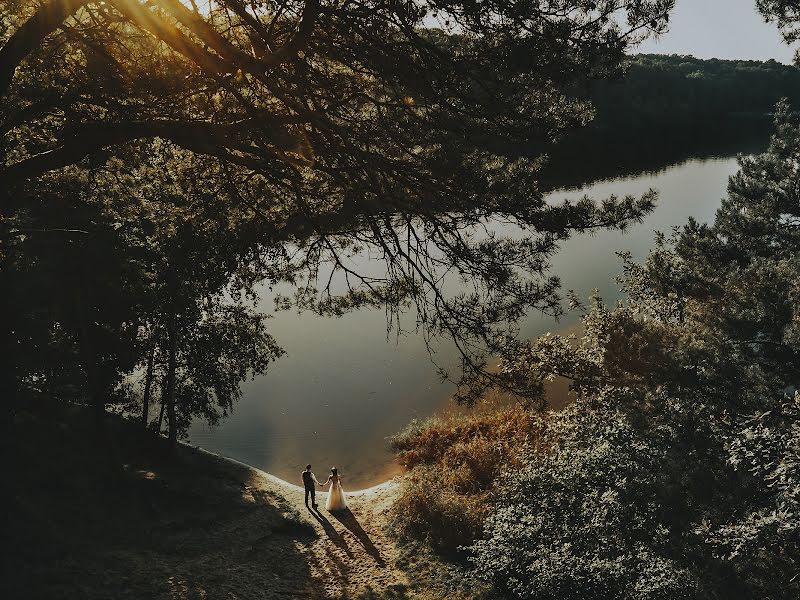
(291, 487)
(352, 553)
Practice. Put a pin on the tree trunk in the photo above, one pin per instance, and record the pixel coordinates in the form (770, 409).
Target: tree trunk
(9, 377)
(94, 387)
(96, 390)
(45, 21)
(8, 399)
(172, 421)
(161, 412)
(148, 382)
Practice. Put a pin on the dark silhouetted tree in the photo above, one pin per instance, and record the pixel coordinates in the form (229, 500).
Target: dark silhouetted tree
(336, 125)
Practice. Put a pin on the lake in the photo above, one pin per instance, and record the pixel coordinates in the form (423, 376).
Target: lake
(344, 386)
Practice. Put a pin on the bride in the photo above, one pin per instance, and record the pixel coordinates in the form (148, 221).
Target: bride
(336, 499)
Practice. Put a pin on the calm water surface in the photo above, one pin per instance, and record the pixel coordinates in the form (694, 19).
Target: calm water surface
(343, 387)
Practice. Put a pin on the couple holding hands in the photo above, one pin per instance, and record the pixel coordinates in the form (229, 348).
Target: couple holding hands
(336, 500)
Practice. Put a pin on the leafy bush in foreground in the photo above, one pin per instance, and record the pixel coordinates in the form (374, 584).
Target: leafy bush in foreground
(597, 517)
(615, 510)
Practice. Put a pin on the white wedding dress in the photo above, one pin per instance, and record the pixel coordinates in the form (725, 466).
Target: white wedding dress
(336, 500)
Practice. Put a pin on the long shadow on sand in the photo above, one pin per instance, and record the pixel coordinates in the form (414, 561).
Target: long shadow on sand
(331, 532)
(348, 519)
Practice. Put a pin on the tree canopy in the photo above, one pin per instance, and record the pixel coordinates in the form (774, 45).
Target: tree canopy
(342, 104)
(329, 126)
(786, 15)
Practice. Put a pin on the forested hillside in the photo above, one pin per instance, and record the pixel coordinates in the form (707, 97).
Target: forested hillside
(666, 109)
(674, 90)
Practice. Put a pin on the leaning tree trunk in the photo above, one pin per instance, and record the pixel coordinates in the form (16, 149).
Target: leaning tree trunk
(148, 384)
(49, 17)
(161, 412)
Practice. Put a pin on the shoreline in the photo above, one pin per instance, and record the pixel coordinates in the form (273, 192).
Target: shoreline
(380, 487)
(558, 391)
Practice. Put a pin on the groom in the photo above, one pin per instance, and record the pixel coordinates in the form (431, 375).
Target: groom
(309, 479)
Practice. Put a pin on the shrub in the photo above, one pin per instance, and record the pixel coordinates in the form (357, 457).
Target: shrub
(639, 504)
(586, 520)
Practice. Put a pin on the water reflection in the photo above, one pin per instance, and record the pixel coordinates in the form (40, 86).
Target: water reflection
(345, 386)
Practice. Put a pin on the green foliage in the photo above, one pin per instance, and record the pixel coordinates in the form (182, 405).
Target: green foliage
(666, 109)
(589, 519)
(331, 127)
(785, 14)
(682, 91)
(102, 282)
(74, 300)
(227, 346)
(767, 449)
(675, 474)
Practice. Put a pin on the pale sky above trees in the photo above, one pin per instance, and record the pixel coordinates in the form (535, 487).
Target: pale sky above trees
(730, 29)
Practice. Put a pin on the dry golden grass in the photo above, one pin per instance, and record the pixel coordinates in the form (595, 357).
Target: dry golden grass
(454, 462)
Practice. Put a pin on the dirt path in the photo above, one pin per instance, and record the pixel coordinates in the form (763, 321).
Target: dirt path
(351, 556)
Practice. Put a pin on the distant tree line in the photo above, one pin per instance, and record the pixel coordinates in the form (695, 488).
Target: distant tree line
(665, 109)
(669, 91)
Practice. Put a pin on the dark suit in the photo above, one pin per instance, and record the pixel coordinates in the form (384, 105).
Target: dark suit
(309, 482)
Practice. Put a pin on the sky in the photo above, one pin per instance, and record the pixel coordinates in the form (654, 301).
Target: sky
(731, 29)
